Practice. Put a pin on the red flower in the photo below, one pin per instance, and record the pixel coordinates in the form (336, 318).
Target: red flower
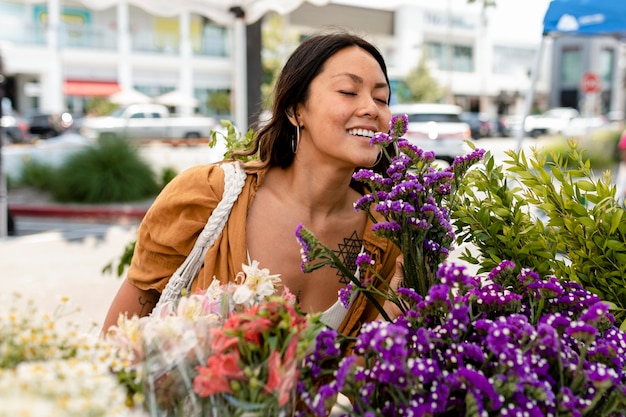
(216, 377)
(281, 375)
(221, 342)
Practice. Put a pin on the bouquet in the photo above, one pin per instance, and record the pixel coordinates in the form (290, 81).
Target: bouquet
(504, 345)
(254, 360)
(201, 354)
(49, 368)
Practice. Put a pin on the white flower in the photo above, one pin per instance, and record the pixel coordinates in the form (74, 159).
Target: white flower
(63, 388)
(258, 284)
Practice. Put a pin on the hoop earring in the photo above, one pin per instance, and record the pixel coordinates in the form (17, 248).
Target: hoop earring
(378, 159)
(295, 140)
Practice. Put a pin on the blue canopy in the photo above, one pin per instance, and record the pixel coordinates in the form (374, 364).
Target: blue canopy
(586, 17)
(576, 17)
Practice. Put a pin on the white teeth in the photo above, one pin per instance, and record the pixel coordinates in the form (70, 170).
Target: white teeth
(361, 132)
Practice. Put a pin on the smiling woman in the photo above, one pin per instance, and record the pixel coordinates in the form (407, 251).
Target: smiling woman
(330, 99)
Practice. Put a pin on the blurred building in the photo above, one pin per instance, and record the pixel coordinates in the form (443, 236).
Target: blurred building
(59, 53)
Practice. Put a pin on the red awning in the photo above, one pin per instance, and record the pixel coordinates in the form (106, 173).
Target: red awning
(90, 88)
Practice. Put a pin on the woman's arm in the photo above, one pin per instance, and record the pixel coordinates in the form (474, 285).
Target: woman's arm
(132, 301)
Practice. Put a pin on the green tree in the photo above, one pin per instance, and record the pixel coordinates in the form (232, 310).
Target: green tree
(421, 86)
(278, 42)
(219, 101)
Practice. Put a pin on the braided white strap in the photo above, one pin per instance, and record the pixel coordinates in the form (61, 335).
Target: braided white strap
(234, 179)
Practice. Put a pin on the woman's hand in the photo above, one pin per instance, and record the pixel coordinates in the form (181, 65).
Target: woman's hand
(391, 308)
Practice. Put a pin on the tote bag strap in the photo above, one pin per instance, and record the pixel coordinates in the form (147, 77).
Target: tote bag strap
(234, 179)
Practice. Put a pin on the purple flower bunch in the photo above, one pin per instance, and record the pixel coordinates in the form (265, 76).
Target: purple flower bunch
(503, 345)
(414, 199)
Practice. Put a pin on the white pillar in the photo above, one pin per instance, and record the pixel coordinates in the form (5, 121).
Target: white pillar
(186, 69)
(124, 68)
(52, 80)
(240, 85)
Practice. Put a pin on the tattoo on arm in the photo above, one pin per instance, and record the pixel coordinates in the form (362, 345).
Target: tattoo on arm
(348, 252)
(147, 304)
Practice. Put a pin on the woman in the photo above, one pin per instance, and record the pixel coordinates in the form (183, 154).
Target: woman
(332, 95)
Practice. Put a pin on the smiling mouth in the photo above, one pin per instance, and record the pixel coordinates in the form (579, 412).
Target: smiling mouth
(361, 132)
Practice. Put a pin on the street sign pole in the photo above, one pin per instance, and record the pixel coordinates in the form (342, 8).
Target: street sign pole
(4, 209)
(590, 85)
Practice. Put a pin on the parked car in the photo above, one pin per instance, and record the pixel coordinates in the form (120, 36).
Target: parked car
(580, 126)
(552, 122)
(480, 124)
(48, 125)
(146, 121)
(436, 127)
(14, 128)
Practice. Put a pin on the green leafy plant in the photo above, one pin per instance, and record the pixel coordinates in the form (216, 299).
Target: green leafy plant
(235, 140)
(37, 174)
(111, 171)
(549, 217)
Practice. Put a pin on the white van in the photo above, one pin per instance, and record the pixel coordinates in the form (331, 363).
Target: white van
(436, 127)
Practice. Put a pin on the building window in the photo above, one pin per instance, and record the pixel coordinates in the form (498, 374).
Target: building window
(571, 65)
(512, 61)
(450, 57)
(605, 66)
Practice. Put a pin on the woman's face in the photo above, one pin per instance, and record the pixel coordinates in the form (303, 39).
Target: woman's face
(346, 105)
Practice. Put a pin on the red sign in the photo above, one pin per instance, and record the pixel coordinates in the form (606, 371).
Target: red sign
(590, 83)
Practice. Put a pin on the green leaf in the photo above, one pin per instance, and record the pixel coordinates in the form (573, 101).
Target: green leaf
(586, 185)
(615, 220)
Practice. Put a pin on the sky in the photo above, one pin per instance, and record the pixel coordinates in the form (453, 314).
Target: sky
(509, 19)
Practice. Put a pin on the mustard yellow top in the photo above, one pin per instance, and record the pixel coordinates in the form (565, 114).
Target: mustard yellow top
(180, 212)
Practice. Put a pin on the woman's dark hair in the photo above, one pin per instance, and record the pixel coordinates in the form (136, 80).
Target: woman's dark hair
(273, 140)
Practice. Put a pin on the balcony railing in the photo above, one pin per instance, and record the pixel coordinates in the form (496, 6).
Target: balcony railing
(214, 41)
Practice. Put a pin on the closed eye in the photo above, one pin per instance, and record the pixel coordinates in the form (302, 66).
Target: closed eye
(348, 93)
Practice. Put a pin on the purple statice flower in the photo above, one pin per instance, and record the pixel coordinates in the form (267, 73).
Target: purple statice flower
(386, 228)
(431, 246)
(449, 353)
(373, 179)
(504, 267)
(597, 314)
(410, 294)
(455, 275)
(549, 288)
(305, 248)
(345, 294)
(394, 207)
(493, 298)
(398, 167)
(364, 260)
(367, 200)
(381, 138)
(462, 162)
(409, 187)
(398, 125)
(434, 177)
(457, 320)
(414, 152)
(480, 386)
(581, 331)
(418, 224)
(438, 297)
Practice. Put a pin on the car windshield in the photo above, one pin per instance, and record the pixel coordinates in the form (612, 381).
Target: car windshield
(434, 117)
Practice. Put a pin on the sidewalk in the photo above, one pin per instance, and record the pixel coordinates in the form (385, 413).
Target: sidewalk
(49, 266)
